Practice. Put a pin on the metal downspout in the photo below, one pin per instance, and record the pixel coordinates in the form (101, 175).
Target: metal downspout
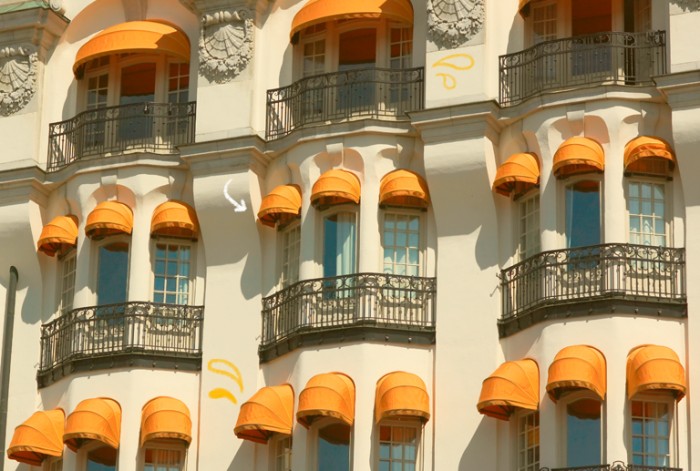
(6, 359)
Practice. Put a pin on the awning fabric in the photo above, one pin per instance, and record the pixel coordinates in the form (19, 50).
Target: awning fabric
(58, 235)
(282, 204)
(578, 155)
(514, 385)
(644, 148)
(320, 11)
(175, 219)
(655, 368)
(404, 188)
(327, 395)
(519, 172)
(269, 411)
(109, 218)
(146, 36)
(336, 187)
(577, 367)
(401, 394)
(38, 437)
(165, 417)
(94, 419)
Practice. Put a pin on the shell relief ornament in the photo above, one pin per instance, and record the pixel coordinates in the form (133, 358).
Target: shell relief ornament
(452, 23)
(225, 45)
(18, 67)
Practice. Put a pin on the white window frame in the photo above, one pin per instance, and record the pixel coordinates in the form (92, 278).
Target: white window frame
(66, 280)
(281, 446)
(165, 445)
(420, 215)
(519, 418)
(673, 429)
(521, 216)
(53, 464)
(558, 7)
(113, 239)
(667, 207)
(569, 398)
(289, 256)
(190, 279)
(414, 424)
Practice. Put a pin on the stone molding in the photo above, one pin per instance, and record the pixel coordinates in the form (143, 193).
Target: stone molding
(18, 70)
(687, 5)
(452, 23)
(225, 44)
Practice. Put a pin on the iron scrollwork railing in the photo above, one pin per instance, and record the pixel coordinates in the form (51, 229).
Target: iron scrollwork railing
(404, 302)
(580, 61)
(146, 127)
(630, 271)
(340, 96)
(162, 329)
(616, 466)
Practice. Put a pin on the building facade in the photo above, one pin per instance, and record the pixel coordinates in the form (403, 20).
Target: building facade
(362, 235)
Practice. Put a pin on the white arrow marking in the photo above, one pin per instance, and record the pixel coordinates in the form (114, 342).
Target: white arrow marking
(238, 207)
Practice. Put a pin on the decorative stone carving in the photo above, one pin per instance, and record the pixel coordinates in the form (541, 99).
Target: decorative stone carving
(225, 45)
(18, 68)
(687, 5)
(452, 23)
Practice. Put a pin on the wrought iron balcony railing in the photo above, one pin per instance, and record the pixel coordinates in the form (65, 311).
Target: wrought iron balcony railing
(114, 335)
(328, 310)
(616, 466)
(571, 277)
(341, 96)
(582, 61)
(145, 127)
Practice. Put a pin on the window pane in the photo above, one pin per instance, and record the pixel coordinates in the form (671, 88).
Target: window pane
(398, 447)
(113, 263)
(646, 206)
(583, 433)
(650, 433)
(401, 242)
(172, 273)
(334, 448)
(528, 442)
(583, 214)
(339, 244)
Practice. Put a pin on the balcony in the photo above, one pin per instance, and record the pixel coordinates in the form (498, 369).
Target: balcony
(103, 132)
(121, 335)
(365, 306)
(616, 466)
(341, 96)
(603, 279)
(630, 59)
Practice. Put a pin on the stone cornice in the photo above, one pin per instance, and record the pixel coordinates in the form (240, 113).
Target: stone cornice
(682, 89)
(216, 157)
(453, 123)
(22, 185)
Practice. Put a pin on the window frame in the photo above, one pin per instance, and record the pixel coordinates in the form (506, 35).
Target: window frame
(315, 438)
(333, 210)
(564, 401)
(109, 240)
(519, 416)
(420, 214)
(673, 439)
(164, 445)
(275, 444)
(668, 199)
(283, 261)
(84, 450)
(565, 183)
(53, 464)
(519, 201)
(71, 256)
(412, 423)
(191, 279)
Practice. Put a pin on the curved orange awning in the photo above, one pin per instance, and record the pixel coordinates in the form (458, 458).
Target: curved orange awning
(269, 411)
(38, 437)
(109, 218)
(94, 419)
(655, 368)
(320, 11)
(282, 204)
(148, 36)
(519, 172)
(578, 155)
(404, 188)
(336, 187)
(644, 148)
(514, 385)
(577, 367)
(401, 394)
(327, 395)
(175, 219)
(165, 417)
(58, 235)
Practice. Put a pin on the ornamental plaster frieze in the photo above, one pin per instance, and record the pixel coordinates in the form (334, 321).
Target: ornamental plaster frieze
(687, 5)
(18, 71)
(452, 23)
(225, 44)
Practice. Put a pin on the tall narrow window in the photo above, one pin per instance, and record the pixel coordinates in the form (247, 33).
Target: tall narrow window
(647, 220)
(314, 60)
(583, 214)
(401, 242)
(163, 459)
(172, 273)
(583, 432)
(113, 273)
(178, 82)
(283, 454)
(291, 240)
(55, 465)
(651, 433)
(103, 458)
(544, 21)
(529, 442)
(67, 281)
(339, 240)
(334, 447)
(398, 447)
(529, 227)
(400, 47)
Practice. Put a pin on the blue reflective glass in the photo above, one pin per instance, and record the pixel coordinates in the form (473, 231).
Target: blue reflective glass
(583, 214)
(113, 267)
(583, 433)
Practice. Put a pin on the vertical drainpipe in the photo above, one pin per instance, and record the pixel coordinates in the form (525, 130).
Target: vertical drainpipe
(6, 357)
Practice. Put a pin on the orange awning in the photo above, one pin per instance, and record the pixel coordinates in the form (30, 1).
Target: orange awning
(58, 235)
(148, 36)
(336, 187)
(320, 11)
(282, 204)
(38, 437)
(404, 188)
(165, 417)
(520, 172)
(174, 219)
(644, 148)
(577, 367)
(94, 419)
(401, 394)
(514, 385)
(109, 218)
(269, 411)
(578, 155)
(655, 368)
(327, 395)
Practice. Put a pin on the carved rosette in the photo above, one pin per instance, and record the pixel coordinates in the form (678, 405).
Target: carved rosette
(452, 23)
(687, 5)
(225, 45)
(18, 69)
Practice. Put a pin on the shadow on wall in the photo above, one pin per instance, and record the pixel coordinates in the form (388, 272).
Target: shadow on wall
(484, 439)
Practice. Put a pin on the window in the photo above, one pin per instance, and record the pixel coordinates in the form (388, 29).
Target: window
(647, 220)
(54, 464)
(163, 459)
(67, 281)
(544, 21)
(529, 227)
(113, 273)
(101, 458)
(291, 244)
(651, 432)
(401, 242)
(333, 453)
(398, 447)
(339, 244)
(529, 442)
(283, 454)
(583, 431)
(172, 275)
(583, 214)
